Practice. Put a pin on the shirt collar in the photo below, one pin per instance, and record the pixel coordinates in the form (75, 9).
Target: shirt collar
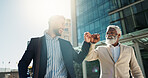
(49, 37)
(115, 46)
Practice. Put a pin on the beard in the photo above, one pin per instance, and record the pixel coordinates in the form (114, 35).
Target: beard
(111, 41)
(56, 32)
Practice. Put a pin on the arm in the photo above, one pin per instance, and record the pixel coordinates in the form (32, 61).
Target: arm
(135, 69)
(85, 47)
(92, 55)
(25, 60)
(80, 56)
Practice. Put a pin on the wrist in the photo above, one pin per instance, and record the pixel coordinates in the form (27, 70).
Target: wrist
(86, 41)
(92, 43)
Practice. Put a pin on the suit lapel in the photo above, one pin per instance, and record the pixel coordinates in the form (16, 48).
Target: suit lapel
(43, 58)
(64, 50)
(61, 47)
(37, 59)
(110, 53)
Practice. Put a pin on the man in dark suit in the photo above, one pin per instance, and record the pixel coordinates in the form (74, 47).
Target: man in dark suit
(52, 56)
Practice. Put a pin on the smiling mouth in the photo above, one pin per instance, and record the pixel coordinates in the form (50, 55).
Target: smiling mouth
(109, 37)
(60, 30)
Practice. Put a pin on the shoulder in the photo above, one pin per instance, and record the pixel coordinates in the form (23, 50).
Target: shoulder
(35, 39)
(64, 43)
(102, 47)
(62, 40)
(126, 46)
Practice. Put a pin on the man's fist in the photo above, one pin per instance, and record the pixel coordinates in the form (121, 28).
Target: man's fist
(91, 38)
(95, 38)
(87, 37)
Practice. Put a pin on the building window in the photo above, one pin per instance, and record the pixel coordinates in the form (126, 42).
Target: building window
(140, 21)
(66, 29)
(66, 24)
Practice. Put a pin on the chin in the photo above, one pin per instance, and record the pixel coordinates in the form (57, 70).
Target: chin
(110, 41)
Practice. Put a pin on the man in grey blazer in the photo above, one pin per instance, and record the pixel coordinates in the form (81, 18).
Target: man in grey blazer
(115, 59)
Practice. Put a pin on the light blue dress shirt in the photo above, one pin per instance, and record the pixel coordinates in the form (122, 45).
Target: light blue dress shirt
(55, 63)
(115, 52)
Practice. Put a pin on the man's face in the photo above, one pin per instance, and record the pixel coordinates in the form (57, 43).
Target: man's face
(58, 27)
(111, 36)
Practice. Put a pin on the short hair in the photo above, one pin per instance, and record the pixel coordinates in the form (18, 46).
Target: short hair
(116, 28)
(55, 18)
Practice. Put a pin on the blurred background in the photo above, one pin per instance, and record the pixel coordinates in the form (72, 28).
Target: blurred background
(21, 20)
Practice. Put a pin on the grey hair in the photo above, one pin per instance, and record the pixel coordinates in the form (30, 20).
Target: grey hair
(116, 28)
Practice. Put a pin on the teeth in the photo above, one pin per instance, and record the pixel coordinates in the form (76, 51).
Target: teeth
(109, 37)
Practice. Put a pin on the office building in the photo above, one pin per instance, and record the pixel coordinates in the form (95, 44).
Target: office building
(130, 15)
(67, 31)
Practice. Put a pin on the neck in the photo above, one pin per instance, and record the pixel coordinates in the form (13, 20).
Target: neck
(51, 33)
(115, 44)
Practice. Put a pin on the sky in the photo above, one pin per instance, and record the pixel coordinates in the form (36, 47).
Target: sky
(21, 20)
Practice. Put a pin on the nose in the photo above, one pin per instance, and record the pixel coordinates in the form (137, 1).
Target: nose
(109, 34)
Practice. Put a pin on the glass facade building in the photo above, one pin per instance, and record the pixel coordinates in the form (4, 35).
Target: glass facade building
(95, 15)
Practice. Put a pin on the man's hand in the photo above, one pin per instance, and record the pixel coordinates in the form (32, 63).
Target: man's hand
(95, 38)
(87, 37)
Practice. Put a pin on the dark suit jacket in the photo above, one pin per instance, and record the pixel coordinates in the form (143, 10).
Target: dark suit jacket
(37, 51)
